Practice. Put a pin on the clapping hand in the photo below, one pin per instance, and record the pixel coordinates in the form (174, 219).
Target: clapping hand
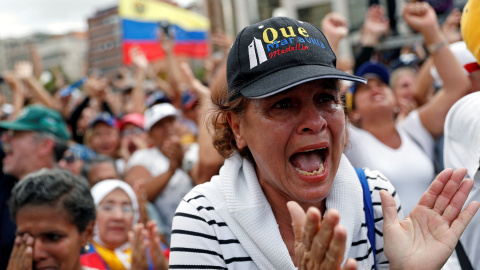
(156, 253)
(138, 240)
(319, 244)
(427, 237)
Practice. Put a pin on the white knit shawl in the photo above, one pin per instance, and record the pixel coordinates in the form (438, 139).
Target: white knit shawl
(238, 198)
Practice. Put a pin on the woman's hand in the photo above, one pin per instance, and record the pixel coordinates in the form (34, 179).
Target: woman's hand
(156, 253)
(318, 244)
(421, 17)
(137, 240)
(22, 253)
(142, 198)
(427, 237)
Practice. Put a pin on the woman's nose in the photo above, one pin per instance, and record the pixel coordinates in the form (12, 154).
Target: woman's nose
(311, 119)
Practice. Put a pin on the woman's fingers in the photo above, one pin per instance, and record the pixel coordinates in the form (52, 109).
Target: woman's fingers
(389, 209)
(311, 226)
(298, 220)
(22, 253)
(455, 205)
(350, 264)
(429, 198)
(449, 190)
(460, 223)
(324, 240)
(336, 249)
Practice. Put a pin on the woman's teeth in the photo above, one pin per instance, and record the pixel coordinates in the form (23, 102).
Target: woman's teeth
(316, 172)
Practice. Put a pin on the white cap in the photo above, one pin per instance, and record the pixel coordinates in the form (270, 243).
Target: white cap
(464, 57)
(157, 113)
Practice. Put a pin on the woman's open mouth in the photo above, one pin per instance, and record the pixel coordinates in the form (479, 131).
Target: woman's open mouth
(310, 162)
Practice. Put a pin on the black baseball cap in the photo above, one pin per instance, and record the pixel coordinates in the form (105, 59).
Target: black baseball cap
(277, 54)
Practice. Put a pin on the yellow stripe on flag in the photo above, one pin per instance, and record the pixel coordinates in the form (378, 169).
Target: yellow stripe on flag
(152, 10)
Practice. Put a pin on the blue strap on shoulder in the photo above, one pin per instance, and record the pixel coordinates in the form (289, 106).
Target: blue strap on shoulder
(369, 217)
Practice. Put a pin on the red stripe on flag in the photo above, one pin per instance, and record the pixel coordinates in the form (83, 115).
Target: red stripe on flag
(153, 51)
(193, 49)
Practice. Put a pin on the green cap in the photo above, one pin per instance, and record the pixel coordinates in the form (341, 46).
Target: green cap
(39, 118)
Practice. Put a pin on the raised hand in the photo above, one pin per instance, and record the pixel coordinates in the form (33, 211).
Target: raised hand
(222, 39)
(201, 90)
(375, 25)
(421, 17)
(138, 58)
(172, 149)
(428, 236)
(137, 238)
(334, 26)
(23, 69)
(139, 188)
(318, 244)
(21, 257)
(156, 253)
(451, 26)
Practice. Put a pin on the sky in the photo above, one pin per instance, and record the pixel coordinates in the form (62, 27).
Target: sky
(19, 18)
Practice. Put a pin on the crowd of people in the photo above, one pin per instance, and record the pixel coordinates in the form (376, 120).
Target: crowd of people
(284, 154)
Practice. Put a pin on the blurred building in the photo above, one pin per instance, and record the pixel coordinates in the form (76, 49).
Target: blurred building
(66, 51)
(104, 39)
(237, 14)
(46, 51)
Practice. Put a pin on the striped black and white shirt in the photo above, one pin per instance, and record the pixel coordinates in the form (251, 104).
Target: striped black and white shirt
(201, 239)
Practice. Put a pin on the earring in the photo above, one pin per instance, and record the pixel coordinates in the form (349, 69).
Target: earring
(396, 110)
(86, 248)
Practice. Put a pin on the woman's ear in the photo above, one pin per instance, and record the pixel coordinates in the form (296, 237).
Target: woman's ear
(87, 234)
(235, 124)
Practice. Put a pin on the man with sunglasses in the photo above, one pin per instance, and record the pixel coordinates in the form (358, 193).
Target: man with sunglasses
(35, 139)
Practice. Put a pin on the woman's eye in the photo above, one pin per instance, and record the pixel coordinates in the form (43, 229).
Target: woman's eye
(283, 104)
(326, 98)
(53, 237)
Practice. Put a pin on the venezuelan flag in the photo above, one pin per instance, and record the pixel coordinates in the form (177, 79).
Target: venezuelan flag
(140, 28)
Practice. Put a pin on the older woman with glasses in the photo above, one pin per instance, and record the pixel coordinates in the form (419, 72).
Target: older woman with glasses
(116, 224)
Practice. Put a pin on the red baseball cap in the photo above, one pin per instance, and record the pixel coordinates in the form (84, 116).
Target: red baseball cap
(134, 118)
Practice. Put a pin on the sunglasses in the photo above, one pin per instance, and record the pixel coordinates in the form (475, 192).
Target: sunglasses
(70, 158)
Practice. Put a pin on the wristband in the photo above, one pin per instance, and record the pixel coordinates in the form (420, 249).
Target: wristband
(433, 48)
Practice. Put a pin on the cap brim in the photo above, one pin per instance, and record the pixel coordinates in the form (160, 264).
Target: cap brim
(15, 126)
(287, 78)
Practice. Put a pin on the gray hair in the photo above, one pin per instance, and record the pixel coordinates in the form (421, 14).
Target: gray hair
(87, 165)
(56, 188)
(60, 145)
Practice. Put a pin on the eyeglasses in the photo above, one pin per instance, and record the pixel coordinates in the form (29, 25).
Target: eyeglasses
(133, 131)
(110, 209)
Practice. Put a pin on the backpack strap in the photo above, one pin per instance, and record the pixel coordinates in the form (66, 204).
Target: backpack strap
(462, 257)
(369, 217)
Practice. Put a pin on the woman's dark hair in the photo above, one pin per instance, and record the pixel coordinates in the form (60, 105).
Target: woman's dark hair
(56, 188)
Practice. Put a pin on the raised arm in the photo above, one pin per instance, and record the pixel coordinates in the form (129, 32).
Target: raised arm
(209, 160)
(422, 17)
(140, 73)
(428, 236)
(335, 28)
(16, 86)
(24, 71)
